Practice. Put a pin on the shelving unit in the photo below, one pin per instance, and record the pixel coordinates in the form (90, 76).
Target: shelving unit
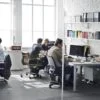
(83, 28)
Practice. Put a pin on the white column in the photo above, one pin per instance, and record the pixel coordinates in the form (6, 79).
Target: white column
(16, 55)
(17, 22)
(59, 18)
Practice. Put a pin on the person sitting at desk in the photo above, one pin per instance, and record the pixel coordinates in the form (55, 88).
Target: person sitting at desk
(5, 63)
(56, 53)
(1, 51)
(38, 45)
(35, 56)
(36, 48)
(45, 45)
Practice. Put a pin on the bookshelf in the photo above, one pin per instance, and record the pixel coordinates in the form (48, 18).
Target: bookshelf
(82, 30)
(81, 33)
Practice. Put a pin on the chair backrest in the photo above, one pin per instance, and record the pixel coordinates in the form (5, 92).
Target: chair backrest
(8, 62)
(51, 62)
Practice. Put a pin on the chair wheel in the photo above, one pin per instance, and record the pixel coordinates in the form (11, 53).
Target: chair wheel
(21, 75)
(26, 73)
(30, 77)
(50, 86)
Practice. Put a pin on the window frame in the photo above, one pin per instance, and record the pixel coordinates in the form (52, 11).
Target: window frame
(42, 32)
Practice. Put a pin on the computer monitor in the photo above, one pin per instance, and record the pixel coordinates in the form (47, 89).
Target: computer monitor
(77, 50)
(51, 43)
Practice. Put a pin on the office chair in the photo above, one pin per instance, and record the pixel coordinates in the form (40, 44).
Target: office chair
(25, 58)
(54, 75)
(5, 67)
(35, 64)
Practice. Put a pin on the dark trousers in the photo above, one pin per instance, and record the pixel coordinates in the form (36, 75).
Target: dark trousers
(67, 70)
(2, 70)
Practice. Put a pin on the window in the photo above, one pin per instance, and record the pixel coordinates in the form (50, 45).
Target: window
(40, 2)
(27, 18)
(5, 22)
(5, 1)
(49, 2)
(49, 18)
(38, 20)
(26, 25)
(26, 1)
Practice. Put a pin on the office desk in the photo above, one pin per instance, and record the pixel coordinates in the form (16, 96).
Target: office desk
(79, 64)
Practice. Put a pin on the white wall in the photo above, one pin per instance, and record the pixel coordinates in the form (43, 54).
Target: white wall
(74, 7)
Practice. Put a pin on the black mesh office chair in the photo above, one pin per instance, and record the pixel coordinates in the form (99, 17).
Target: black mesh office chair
(55, 76)
(35, 64)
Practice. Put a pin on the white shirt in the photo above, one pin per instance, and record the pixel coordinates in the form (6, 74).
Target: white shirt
(1, 53)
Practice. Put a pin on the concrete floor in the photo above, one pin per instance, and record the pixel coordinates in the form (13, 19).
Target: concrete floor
(19, 88)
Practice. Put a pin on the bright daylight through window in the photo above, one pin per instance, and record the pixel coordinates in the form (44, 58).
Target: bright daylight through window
(38, 20)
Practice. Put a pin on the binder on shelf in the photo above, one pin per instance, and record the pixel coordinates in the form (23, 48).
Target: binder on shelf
(75, 34)
(78, 18)
(84, 17)
(97, 35)
(91, 35)
(90, 17)
(69, 33)
(86, 35)
(96, 16)
(83, 34)
(79, 34)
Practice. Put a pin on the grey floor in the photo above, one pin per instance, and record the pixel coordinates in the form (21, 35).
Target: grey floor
(19, 88)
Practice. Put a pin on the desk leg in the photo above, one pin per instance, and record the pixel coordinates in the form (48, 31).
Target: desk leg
(74, 80)
(81, 67)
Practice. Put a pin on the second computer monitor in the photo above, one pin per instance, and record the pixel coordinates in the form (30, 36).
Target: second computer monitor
(77, 50)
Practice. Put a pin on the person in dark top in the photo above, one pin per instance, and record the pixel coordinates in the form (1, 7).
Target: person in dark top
(45, 45)
(36, 59)
(36, 48)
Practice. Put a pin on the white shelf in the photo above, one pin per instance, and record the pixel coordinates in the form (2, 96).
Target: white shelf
(81, 22)
(94, 39)
(82, 38)
(75, 38)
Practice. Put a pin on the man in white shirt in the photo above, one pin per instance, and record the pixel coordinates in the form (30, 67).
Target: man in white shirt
(1, 51)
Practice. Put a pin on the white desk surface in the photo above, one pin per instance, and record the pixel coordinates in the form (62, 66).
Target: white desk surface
(84, 63)
(1, 62)
(79, 64)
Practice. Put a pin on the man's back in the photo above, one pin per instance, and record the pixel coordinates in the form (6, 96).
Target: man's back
(56, 53)
(35, 51)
